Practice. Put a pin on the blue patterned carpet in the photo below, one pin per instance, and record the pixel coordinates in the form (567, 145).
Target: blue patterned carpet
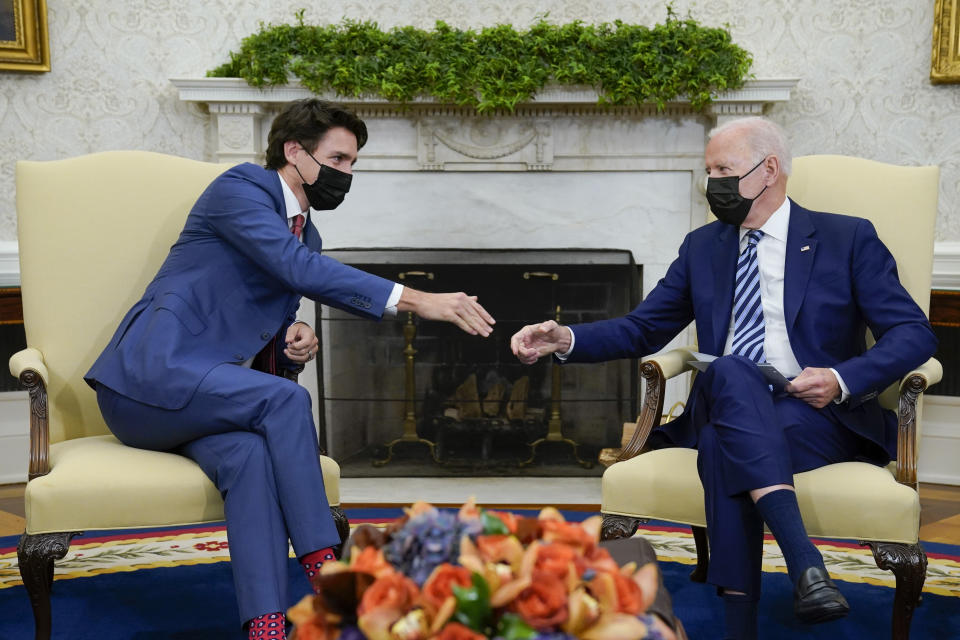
(176, 584)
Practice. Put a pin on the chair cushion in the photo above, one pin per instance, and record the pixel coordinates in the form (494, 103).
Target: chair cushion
(98, 483)
(849, 500)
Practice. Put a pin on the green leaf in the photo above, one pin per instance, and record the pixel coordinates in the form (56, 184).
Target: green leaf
(512, 627)
(492, 525)
(496, 67)
(473, 604)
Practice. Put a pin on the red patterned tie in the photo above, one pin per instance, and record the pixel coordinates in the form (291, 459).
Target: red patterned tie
(266, 360)
(297, 225)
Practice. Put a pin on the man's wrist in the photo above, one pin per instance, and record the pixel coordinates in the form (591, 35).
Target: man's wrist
(844, 391)
(410, 300)
(565, 347)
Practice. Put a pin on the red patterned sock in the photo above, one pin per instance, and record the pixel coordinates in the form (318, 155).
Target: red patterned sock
(269, 626)
(314, 560)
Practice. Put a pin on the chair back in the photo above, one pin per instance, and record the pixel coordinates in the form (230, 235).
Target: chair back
(93, 230)
(901, 202)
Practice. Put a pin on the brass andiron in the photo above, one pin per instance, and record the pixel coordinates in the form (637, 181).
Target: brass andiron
(409, 402)
(554, 424)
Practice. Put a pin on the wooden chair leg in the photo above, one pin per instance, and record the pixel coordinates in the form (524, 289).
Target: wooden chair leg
(36, 555)
(699, 573)
(343, 528)
(616, 527)
(909, 564)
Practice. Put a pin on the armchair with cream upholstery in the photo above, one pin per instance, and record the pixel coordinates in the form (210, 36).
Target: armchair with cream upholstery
(93, 231)
(856, 501)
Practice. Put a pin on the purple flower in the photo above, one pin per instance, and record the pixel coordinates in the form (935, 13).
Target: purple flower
(425, 542)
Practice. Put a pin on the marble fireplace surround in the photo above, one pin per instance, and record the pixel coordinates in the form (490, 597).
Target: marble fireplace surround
(558, 172)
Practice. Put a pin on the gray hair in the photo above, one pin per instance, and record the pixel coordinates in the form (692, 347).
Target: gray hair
(764, 137)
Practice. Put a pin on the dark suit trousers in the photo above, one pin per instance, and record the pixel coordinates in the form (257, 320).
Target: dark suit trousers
(749, 438)
(253, 434)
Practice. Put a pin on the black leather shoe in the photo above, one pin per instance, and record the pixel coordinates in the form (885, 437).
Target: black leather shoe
(816, 599)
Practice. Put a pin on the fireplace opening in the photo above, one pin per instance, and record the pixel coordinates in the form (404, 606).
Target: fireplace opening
(408, 397)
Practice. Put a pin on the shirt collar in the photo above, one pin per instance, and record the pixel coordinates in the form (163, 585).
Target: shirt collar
(776, 225)
(290, 202)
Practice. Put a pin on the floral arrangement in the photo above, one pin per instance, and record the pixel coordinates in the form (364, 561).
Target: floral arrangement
(479, 574)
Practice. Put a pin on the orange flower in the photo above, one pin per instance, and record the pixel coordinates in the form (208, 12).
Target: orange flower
(469, 511)
(419, 508)
(383, 603)
(598, 559)
(457, 631)
(555, 559)
(629, 595)
(392, 591)
(499, 548)
(569, 533)
(544, 603)
(370, 560)
(439, 586)
(617, 593)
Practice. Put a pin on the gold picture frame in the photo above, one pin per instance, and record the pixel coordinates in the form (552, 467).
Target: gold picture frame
(24, 41)
(945, 64)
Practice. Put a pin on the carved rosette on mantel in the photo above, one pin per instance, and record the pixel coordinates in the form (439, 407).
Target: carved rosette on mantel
(451, 138)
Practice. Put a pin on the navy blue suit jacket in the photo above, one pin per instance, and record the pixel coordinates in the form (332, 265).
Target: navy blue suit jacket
(232, 281)
(844, 283)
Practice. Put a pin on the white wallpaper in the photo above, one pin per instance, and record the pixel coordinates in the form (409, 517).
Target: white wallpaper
(864, 68)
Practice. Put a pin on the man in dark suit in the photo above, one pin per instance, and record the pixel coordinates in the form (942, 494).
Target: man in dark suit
(180, 373)
(768, 282)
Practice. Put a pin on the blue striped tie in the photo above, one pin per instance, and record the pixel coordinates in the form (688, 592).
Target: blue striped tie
(747, 310)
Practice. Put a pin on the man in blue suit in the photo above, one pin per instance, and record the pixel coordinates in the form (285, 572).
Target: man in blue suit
(186, 370)
(768, 282)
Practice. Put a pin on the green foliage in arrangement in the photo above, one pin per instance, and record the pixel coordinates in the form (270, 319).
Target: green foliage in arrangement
(496, 67)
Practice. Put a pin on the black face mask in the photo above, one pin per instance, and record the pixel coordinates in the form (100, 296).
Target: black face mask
(725, 200)
(329, 189)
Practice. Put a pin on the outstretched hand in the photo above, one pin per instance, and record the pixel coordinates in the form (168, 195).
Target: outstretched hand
(458, 308)
(537, 340)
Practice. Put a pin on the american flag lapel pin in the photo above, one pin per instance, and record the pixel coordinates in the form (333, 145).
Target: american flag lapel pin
(805, 247)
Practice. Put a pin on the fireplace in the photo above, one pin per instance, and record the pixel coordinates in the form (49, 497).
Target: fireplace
(412, 397)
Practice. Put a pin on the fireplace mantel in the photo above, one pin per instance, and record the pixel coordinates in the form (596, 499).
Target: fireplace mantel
(241, 114)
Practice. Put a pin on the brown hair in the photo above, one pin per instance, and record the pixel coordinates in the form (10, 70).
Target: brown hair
(307, 121)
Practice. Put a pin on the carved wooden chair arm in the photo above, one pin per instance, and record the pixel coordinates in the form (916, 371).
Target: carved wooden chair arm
(911, 386)
(27, 365)
(655, 371)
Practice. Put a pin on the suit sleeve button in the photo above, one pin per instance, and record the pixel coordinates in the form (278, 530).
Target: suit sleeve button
(238, 356)
(265, 335)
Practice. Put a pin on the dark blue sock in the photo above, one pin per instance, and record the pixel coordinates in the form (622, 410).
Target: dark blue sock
(779, 509)
(740, 616)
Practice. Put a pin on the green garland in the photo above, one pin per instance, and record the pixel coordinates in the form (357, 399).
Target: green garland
(496, 67)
